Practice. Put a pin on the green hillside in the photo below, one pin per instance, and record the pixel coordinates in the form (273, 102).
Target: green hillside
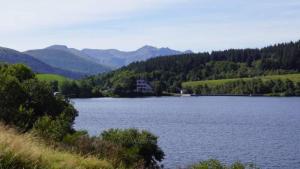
(293, 77)
(52, 77)
(278, 85)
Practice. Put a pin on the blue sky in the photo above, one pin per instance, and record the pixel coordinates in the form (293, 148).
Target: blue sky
(199, 25)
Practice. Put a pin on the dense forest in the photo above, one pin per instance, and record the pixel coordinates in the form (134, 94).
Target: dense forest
(166, 74)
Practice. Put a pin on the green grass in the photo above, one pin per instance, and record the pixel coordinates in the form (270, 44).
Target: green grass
(51, 77)
(27, 152)
(294, 77)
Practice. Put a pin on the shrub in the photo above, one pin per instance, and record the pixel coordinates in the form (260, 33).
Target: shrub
(128, 148)
(82, 143)
(72, 138)
(209, 164)
(216, 164)
(136, 146)
(53, 129)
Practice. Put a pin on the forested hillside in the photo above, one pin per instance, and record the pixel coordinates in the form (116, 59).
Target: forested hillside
(166, 74)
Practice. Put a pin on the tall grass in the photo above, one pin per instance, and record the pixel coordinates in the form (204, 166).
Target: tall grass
(27, 152)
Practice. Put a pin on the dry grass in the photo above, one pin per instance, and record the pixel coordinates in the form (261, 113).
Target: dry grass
(25, 151)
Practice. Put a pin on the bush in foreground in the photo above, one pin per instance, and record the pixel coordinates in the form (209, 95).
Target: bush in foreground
(129, 148)
(137, 146)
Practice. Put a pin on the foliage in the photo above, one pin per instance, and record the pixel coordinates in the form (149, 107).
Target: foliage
(129, 148)
(19, 71)
(157, 87)
(137, 146)
(82, 143)
(80, 89)
(123, 148)
(53, 129)
(24, 99)
(124, 83)
(215, 164)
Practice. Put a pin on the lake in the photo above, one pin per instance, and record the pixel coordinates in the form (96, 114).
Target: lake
(262, 130)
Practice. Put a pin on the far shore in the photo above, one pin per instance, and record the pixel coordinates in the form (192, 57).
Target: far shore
(193, 95)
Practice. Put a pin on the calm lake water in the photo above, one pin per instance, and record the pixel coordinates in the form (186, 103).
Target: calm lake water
(262, 130)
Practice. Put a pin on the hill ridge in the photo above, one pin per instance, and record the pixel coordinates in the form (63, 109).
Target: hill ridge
(12, 56)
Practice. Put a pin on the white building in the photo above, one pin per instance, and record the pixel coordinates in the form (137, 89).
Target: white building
(142, 86)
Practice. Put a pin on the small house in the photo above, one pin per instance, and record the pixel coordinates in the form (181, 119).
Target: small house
(142, 86)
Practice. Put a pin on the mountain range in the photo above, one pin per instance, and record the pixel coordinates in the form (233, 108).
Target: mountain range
(66, 59)
(11, 56)
(74, 63)
(116, 58)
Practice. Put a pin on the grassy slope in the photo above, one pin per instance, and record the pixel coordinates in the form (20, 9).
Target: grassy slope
(294, 77)
(51, 77)
(24, 151)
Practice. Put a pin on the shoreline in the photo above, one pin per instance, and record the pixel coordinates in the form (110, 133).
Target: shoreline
(190, 95)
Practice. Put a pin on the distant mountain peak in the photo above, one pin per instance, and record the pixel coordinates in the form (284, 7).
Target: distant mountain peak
(188, 51)
(58, 47)
(148, 47)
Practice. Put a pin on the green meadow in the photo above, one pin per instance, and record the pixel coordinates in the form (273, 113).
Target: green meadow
(52, 77)
(293, 77)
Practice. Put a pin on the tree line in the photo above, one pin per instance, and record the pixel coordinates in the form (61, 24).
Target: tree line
(255, 86)
(167, 73)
